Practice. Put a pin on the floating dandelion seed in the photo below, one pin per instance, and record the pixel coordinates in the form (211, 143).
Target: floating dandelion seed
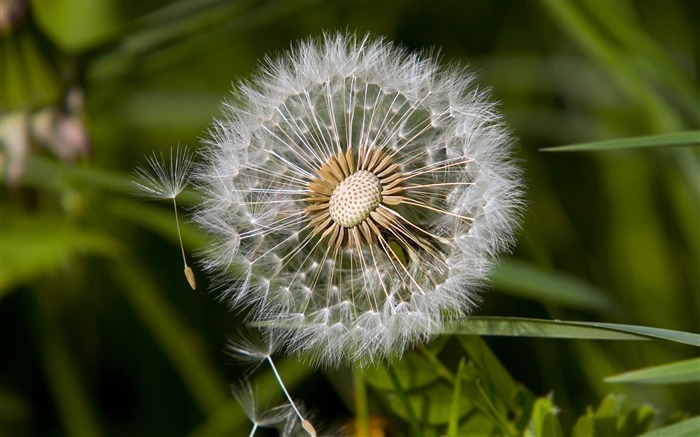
(358, 195)
(261, 416)
(252, 349)
(166, 181)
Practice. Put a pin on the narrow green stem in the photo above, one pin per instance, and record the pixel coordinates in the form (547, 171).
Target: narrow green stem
(401, 393)
(361, 406)
(440, 368)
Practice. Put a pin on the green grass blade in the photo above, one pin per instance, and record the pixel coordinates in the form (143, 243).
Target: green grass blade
(573, 21)
(675, 139)
(686, 428)
(523, 327)
(33, 246)
(453, 423)
(672, 373)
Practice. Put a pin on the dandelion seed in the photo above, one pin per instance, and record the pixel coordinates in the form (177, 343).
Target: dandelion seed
(358, 195)
(252, 349)
(261, 416)
(166, 181)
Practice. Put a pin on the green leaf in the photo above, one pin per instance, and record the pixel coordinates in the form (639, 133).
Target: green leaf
(432, 404)
(77, 25)
(524, 280)
(523, 327)
(686, 138)
(544, 422)
(493, 371)
(33, 246)
(455, 409)
(585, 425)
(672, 373)
(686, 428)
(413, 371)
(607, 414)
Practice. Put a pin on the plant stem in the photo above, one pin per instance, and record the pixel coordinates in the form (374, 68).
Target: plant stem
(401, 393)
(361, 407)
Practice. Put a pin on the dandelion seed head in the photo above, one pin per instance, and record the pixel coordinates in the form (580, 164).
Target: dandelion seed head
(358, 195)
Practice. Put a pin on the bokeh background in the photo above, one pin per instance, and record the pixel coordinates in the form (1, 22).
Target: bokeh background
(100, 333)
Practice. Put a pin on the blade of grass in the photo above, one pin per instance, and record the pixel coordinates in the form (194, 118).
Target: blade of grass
(653, 57)
(361, 405)
(686, 428)
(401, 393)
(453, 423)
(524, 327)
(675, 139)
(571, 19)
(671, 373)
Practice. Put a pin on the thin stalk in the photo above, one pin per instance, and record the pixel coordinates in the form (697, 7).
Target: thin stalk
(404, 401)
(361, 406)
(252, 431)
(188, 270)
(304, 423)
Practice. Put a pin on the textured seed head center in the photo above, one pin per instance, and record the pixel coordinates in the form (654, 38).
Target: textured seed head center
(355, 198)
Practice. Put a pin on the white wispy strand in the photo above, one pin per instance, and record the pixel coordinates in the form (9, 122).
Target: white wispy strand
(429, 246)
(260, 415)
(250, 348)
(161, 179)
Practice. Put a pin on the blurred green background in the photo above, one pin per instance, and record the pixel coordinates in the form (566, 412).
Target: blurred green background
(101, 334)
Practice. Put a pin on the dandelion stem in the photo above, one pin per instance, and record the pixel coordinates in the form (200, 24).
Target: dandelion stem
(361, 408)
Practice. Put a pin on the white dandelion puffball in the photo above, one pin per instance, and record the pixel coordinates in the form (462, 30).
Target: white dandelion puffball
(358, 195)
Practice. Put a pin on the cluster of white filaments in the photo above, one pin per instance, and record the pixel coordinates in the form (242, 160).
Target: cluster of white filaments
(358, 195)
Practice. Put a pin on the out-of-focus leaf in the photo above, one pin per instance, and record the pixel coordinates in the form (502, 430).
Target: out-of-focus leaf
(614, 417)
(607, 414)
(687, 138)
(77, 25)
(522, 327)
(67, 384)
(523, 280)
(493, 371)
(456, 407)
(33, 246)
(158, 220)
(413, 371)
(27, 78)
(46, 173)
(584, 426)
(685, 428)
(672, 373)
(544, 422)
(432, 403)
(178, 341)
